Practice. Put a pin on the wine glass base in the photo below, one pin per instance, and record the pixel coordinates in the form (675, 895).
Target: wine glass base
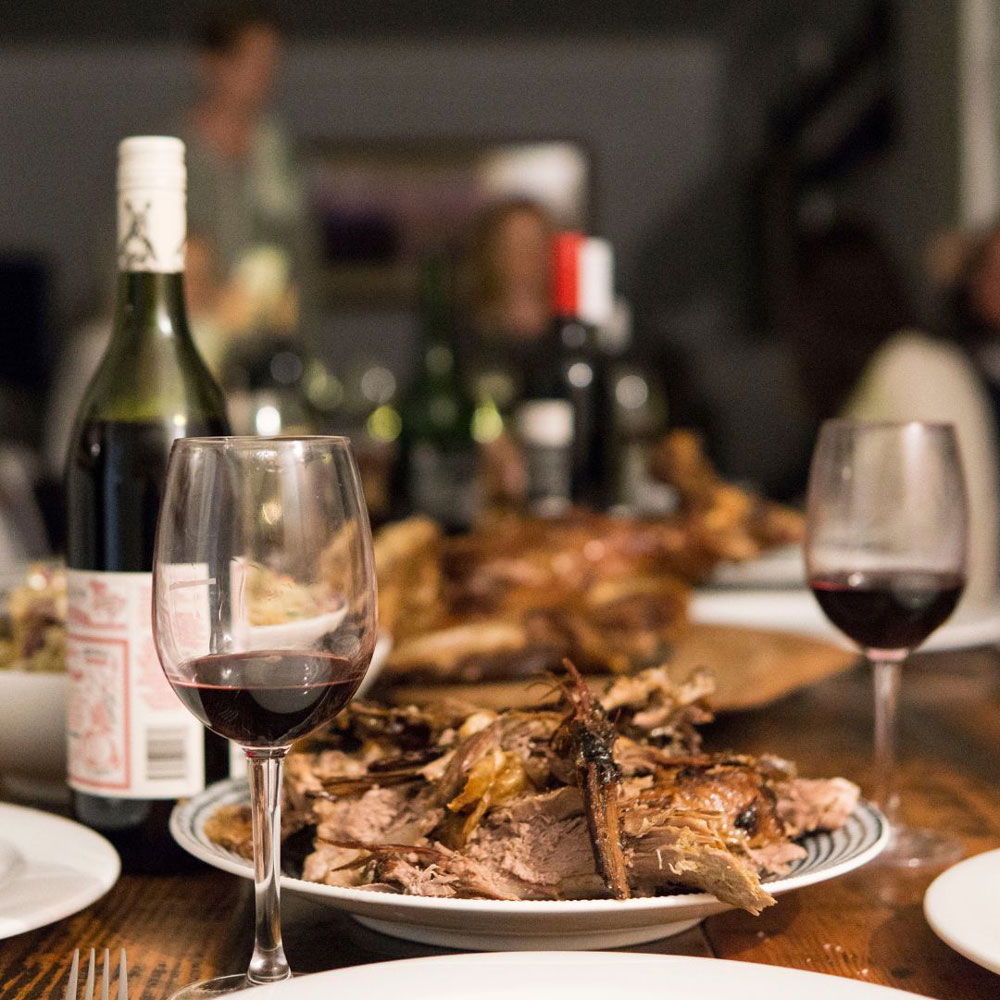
(915, 848)
(217, 987)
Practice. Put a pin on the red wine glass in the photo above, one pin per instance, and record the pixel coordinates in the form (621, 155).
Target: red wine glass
(886, 544)
(264, 615)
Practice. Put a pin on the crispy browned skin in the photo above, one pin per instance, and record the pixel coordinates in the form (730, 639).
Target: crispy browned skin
(732, 791)
(722, 519)
(591, 739)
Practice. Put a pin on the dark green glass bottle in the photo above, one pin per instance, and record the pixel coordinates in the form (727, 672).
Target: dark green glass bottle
(438, 451)
(132, 747)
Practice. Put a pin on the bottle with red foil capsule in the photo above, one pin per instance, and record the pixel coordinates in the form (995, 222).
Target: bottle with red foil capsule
(133, 748)
(581, 303)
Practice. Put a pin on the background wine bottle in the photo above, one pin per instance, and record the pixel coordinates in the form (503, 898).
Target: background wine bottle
(132, 750)
(438, 454)
(581, 301)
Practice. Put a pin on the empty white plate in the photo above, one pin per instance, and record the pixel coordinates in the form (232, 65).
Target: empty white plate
(553, 975)
(54, 868)
(962, 906)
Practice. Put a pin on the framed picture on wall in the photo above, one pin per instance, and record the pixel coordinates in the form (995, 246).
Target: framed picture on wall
(379, 209)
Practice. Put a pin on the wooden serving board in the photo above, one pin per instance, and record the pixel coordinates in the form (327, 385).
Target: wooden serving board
(752, 668)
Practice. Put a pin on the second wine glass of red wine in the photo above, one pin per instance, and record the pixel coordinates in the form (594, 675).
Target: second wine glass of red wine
(264, 616)
(886, 547)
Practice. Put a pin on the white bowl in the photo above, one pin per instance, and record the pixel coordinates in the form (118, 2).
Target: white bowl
(33, 733)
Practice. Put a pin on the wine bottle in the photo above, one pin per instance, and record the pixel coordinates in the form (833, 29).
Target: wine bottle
(133, 748)
(581, 302)
(437, 450)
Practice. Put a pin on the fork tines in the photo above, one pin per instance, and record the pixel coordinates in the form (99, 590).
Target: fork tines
(88, 989)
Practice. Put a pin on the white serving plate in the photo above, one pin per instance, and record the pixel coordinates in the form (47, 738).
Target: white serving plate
(553, 975)
(962, 905)
(504, 925)
(797, 611)
(54, 868)
(782, 566)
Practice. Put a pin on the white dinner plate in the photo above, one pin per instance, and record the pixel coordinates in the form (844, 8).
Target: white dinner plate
(782, 566)
(797, 611)
(10, 861)
(58, 867)
(509, 925)
(962, 906)
(553, 975)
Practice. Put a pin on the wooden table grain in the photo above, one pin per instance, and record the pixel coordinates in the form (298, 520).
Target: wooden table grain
(868, 925)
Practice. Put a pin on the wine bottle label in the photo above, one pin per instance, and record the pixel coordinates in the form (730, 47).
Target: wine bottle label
(151, 229)
(128, 734)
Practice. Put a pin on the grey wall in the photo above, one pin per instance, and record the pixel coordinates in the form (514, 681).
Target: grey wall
(650, 112)
(914, 192)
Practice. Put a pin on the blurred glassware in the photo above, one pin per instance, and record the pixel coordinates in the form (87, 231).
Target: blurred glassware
(582, 303)
(639, 408)
(22, 528)
(266, 378)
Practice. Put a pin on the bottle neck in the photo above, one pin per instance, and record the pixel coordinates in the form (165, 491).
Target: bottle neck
(152, 229)
(436, 315)
(150, 306)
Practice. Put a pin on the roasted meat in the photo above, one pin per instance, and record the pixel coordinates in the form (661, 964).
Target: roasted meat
(598, 796)
(519, 594)
(723, 520)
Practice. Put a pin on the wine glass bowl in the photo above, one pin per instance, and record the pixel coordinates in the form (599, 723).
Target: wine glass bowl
(264, 616)
(885, 551)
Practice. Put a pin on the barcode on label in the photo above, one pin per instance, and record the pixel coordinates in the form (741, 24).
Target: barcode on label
(166, 754)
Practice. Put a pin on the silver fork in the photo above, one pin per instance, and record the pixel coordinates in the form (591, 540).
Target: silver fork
(88, 989)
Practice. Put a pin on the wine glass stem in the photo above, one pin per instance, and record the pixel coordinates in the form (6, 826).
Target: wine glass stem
(886, 698)
(268, 964)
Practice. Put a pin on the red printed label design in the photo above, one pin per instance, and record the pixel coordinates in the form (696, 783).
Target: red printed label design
(128, 734)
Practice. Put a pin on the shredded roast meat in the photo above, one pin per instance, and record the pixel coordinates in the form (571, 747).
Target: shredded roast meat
(605, 795)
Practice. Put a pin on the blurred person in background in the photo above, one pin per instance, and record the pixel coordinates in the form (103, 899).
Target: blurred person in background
(507, 318)
(507, 299)
(861, 356)
(249, 234)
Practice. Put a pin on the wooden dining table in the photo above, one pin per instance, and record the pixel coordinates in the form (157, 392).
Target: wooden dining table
(867, 925)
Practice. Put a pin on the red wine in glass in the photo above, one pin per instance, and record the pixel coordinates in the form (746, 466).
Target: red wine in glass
(277, 527)
(267, 699)
(886, 551)
(888, 610)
